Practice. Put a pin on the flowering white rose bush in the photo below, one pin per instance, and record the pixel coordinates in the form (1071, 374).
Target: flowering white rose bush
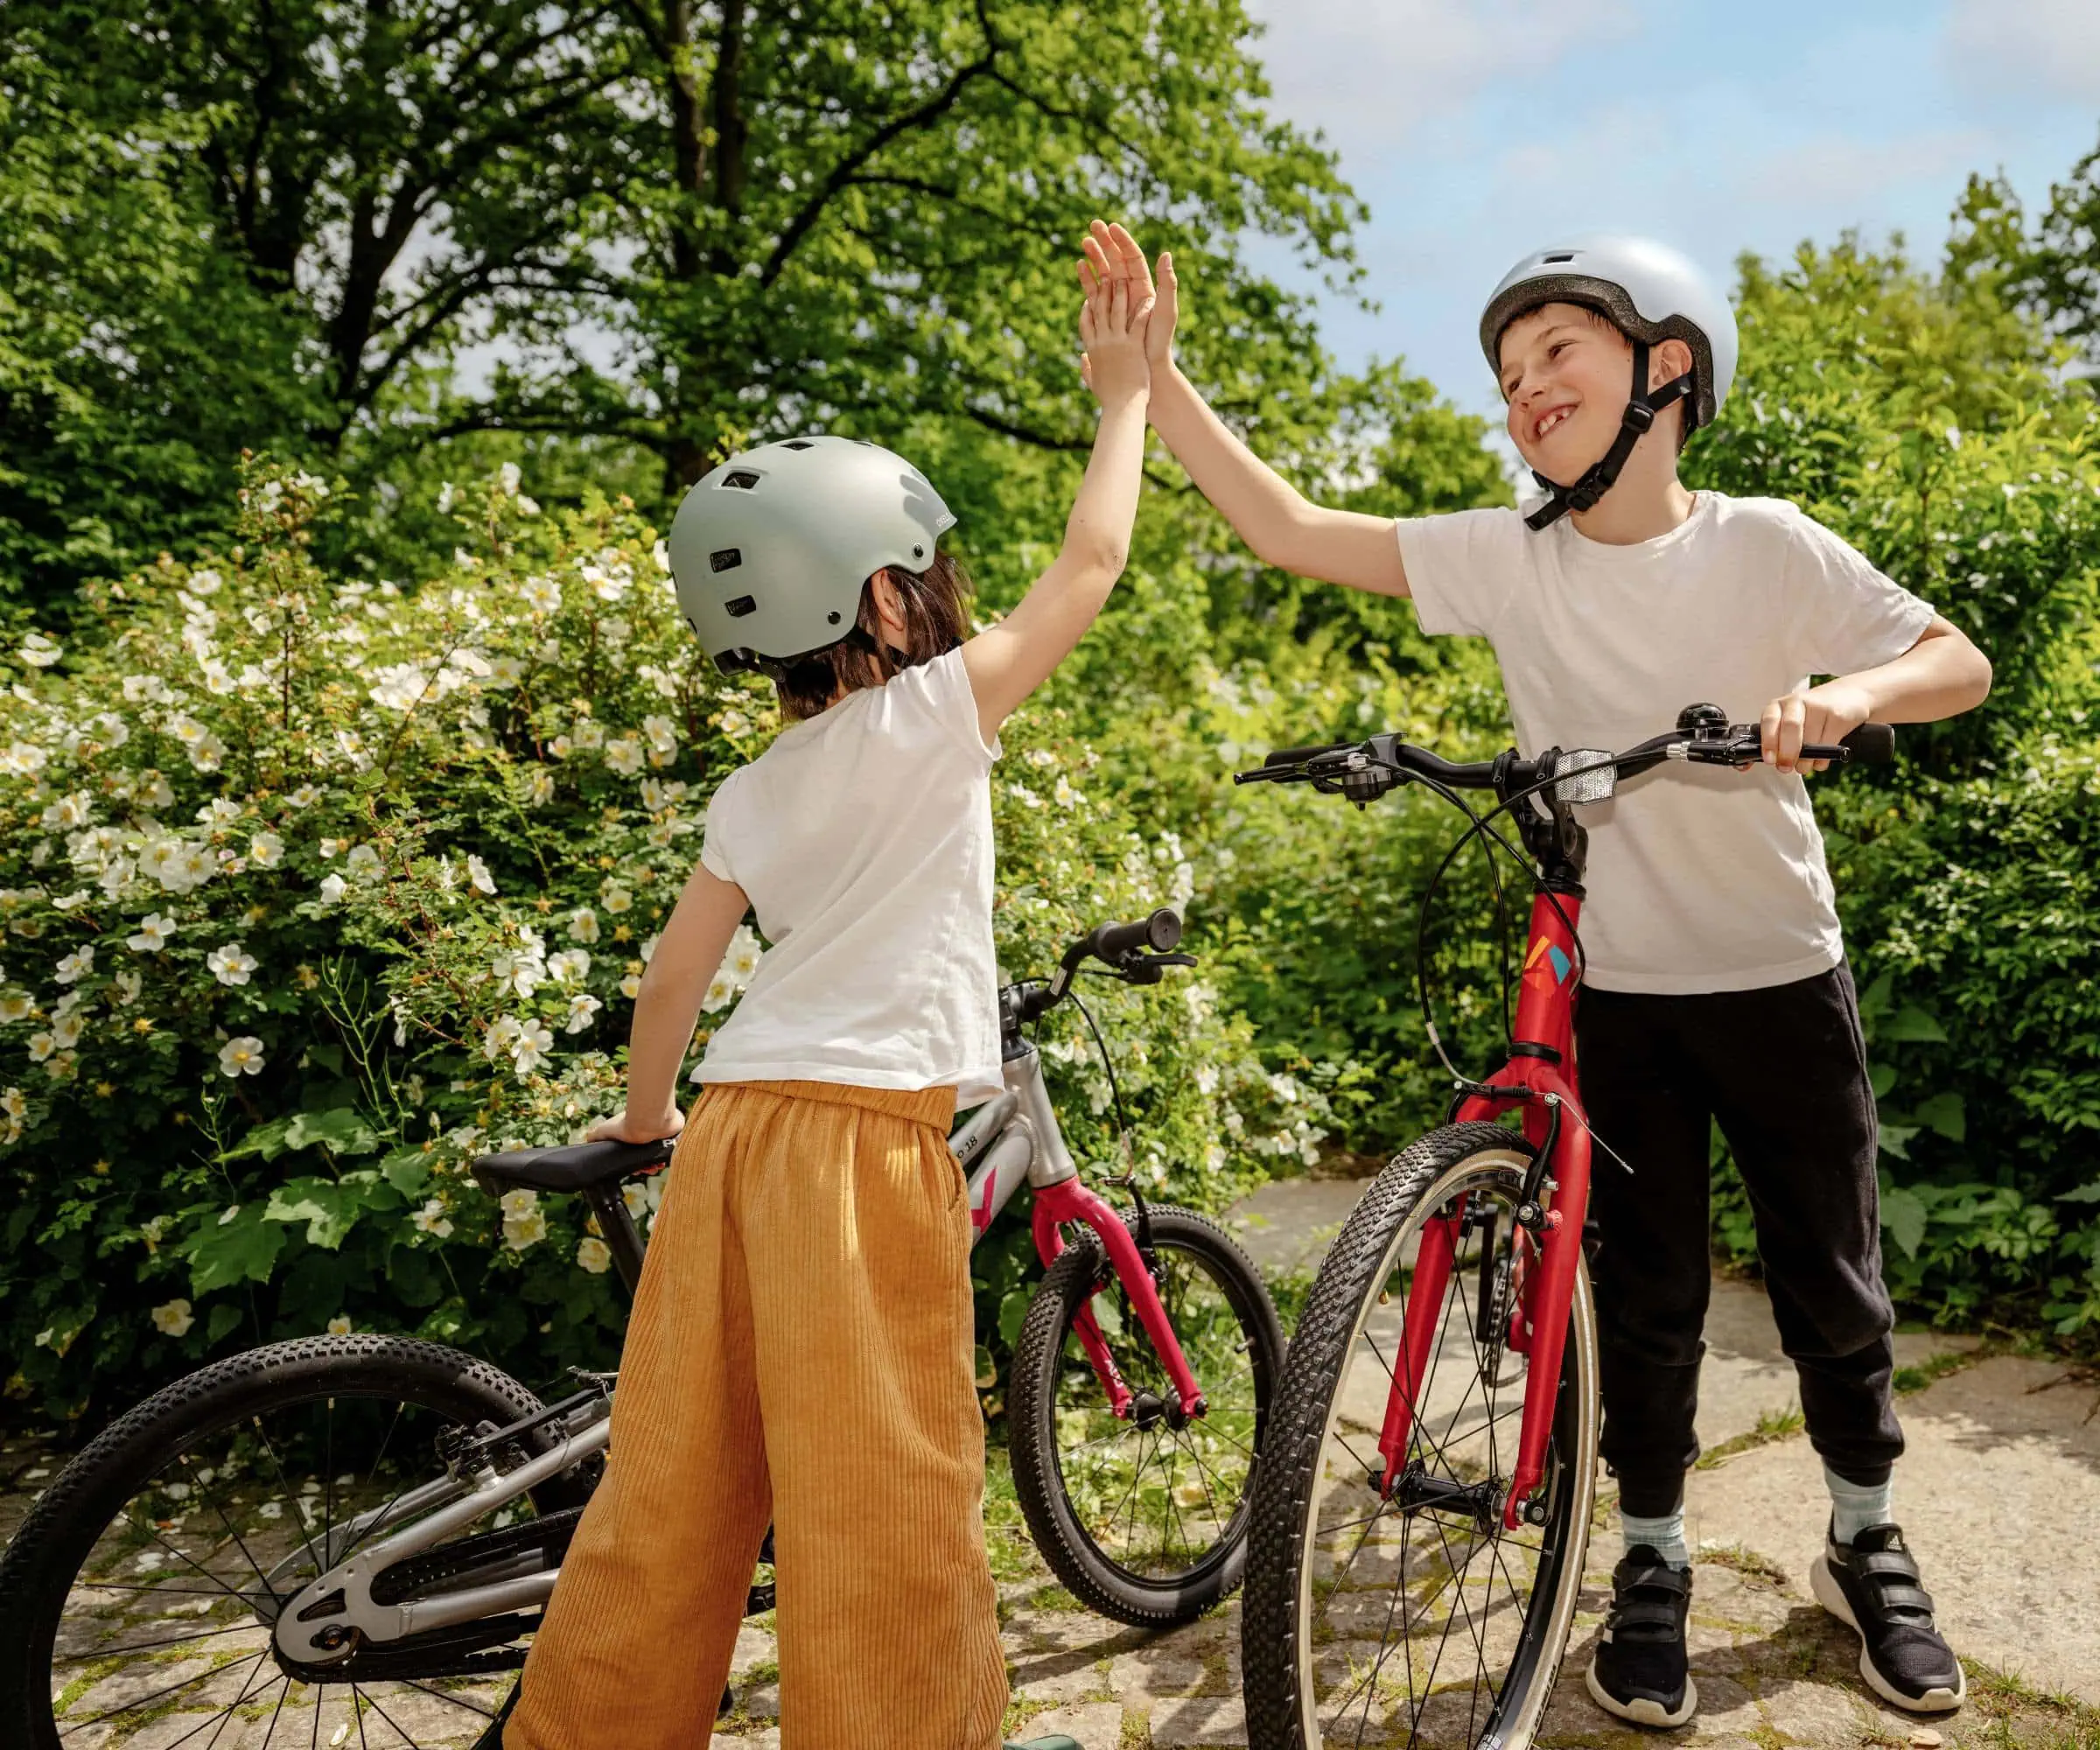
(318, 886)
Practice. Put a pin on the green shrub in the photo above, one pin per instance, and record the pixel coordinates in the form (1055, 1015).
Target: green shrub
(316, 887)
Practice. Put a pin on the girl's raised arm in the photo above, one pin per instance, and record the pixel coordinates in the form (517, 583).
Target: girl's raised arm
(1012, 658)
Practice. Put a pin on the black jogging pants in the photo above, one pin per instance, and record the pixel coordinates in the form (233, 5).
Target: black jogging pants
(1783, 1071)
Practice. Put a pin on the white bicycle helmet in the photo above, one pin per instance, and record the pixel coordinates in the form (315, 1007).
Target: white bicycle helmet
(769, 552)
(1653, 293)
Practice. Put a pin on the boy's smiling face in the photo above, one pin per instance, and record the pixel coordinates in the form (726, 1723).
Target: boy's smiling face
(1566, 371)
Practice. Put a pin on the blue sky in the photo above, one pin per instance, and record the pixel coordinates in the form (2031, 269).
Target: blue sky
(1476, 129)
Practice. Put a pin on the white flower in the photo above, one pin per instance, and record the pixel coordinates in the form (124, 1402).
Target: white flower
(569, 966)
(149, 689)
(40, 651)
(15, 1005)
(630, 987)
(339, 1326)
(529, 1050)
(623, 756)
(23, 758)
(507, 477)
(662, 554)
(539, 787)
(502, 1032)
(127, 987)
(1023, 796)
(734, 723)
(304, 797)
(477, 872)
(13, 1104)
(527, 505)
(541, 594)
(719, 994)
(69, 811)
(219, 811)
(362, 862)
(662, 733)
(594, 1255)
(265, 850)
(40, 1046)
(332, 889)
(231, 964)
(522, 1231)
(444, 499)
(75, 965)
(1207, 1078)
(401, 686)
(65, 1029)
(171, 1318)
(242, 1056)
(583, 925)
(204, 582)
(582, 1008)
(615, 899)
(70, 902)
(742, 959)
(431, 1219)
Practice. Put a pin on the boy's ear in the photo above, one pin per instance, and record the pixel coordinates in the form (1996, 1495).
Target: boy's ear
(1666, 361)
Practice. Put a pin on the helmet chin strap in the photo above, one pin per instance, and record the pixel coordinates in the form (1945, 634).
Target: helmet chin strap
(1641, 410)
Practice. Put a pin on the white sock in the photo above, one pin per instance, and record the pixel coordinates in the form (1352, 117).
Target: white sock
(1664, 1536)
(1856, 1506)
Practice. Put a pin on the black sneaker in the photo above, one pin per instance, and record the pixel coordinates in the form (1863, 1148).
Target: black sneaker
(1639, 1672)
(1871, 1584)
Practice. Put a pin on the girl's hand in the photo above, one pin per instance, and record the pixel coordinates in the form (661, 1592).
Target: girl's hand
(626, 1128)
(1113, 254)
(1112, 331)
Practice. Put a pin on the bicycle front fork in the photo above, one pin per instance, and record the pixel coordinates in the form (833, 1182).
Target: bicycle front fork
(1070, 1200)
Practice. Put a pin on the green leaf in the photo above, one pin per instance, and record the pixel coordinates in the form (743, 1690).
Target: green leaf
(1903, 1215)
(225, 1317)
(1881, 1077)
(239, 1246)
(1913, 1023)
(1943, 1113)
(341, 1129)
(329, 1207)
(1896, 1139)
(408, 1170)
(267, 1140)
(2084, 1194)
(1013, 1308)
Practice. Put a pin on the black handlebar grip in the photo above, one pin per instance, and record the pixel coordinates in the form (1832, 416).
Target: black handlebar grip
(1871, 743)
(1159, 932)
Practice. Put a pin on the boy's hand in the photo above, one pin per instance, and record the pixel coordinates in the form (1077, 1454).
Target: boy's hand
(1822, 715)
(1111, 335)
(626, 1128)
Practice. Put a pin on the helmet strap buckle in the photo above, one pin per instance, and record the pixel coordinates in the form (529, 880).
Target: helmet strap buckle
(1641, 406)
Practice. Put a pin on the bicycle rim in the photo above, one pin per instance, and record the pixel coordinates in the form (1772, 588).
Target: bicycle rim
(1420, 1622)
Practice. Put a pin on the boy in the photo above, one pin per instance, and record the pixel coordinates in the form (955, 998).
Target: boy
(1712, 944)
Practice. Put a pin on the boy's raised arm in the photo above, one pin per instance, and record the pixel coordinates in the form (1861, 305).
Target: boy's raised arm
(1279, 522)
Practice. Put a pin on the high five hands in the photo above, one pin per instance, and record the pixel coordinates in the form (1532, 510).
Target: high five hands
(1115, 266)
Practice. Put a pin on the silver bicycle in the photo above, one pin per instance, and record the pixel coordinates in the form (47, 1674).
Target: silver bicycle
(349, 1540)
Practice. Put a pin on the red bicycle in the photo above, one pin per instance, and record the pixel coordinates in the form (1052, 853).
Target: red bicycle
(1430, 1469)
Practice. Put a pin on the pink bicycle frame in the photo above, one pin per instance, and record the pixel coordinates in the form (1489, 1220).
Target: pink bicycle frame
(1544, 1017)
(1070, 1200)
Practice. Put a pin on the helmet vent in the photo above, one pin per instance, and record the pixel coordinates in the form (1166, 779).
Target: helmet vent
(739, 608)
(741, 481)
(726, 559)
(798, 444)
(1564, 255)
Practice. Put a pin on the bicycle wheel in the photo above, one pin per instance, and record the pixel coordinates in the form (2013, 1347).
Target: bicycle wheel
(1145, 1517)
(1416, 1617)
(139, 1598)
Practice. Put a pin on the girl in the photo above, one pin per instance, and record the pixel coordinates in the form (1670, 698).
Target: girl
(800, 1350)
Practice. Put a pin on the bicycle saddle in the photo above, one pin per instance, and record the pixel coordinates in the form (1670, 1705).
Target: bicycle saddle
(575, 1167)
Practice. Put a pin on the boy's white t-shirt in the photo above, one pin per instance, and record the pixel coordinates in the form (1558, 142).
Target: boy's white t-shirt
(863, 837)
(1700, 878)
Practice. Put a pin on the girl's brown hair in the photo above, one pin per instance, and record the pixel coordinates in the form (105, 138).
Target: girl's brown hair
(933, 622)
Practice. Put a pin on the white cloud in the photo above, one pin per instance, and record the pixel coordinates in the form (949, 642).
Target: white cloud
(1836, 173)
(2026, 48)
(1368, 71)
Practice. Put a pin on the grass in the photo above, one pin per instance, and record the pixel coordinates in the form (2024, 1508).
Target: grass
(1771, 1425)
(1935, 1369)
(1742, 1560)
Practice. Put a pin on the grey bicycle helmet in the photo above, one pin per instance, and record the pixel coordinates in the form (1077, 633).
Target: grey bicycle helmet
(1653, 293)
(769, 552)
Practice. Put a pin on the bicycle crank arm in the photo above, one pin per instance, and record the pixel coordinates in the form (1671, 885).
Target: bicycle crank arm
(331, 1616)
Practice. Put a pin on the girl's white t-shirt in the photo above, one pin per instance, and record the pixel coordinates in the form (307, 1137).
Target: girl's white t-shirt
(863, 837)
(1700, 878)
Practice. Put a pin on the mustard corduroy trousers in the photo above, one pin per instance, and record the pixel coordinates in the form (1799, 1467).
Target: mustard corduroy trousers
(802, 1352)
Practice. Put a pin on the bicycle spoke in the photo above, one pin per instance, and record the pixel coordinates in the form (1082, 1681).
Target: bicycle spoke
(137, 1702)
(472, 1707)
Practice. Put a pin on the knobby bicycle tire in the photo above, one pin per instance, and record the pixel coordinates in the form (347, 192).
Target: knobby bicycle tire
(1285, 1612)
(1092, 1574)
